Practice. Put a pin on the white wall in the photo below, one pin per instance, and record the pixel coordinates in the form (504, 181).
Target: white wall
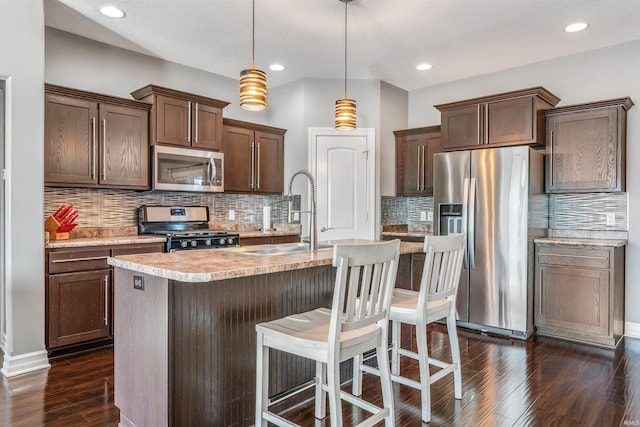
(394, 115)
(597, 75)
(22, 64)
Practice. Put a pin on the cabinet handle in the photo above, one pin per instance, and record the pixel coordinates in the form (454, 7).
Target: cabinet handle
(423, 170)
(418, 174)
(258, 168)
(551, 160)
(95, 258)
(485, 115)
(106, 299)
(93, 149)
(104, 150)
(196, 130)
(479, 118)
(253, 164)
(189, 123)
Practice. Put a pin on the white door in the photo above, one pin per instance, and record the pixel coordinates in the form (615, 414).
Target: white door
(343, 163)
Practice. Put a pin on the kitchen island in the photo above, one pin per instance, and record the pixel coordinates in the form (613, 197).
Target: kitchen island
(185, 327)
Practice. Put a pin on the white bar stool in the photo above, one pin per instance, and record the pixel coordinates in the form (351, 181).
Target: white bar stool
(436, 300)
(365, 273)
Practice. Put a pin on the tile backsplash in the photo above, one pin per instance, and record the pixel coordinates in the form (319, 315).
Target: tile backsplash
(566, 212)
(119, 208)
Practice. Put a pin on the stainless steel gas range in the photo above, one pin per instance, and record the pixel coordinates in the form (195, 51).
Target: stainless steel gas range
(186, 227)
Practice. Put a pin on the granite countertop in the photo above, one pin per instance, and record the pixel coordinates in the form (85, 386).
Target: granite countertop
(573, 241)
(103, 241)
(206, 265)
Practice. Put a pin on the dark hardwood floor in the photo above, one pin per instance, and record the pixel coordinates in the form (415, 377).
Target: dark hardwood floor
(506, 382)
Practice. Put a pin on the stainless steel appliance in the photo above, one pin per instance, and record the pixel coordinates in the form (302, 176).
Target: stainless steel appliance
(186, 227)
(184, 169)
(495, 196)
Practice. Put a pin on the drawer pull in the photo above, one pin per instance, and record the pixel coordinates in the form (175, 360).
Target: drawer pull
(96, 258)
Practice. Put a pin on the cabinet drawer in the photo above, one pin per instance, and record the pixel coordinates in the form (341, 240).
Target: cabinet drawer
(574, 257)
(78, 260)
(137, 249)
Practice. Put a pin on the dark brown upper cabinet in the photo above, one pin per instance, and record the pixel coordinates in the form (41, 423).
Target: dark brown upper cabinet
(512, 118)
(414, 160)
(586, 147)
(183, 119)
(94, 140)
(253, 158)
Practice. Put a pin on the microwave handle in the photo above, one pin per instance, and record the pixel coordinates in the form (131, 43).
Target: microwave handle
(210, 171)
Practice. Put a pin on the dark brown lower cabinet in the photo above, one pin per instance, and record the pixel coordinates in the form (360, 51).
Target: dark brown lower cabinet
(79, 294)
(268, 240)
(79, 307)
(579, 293)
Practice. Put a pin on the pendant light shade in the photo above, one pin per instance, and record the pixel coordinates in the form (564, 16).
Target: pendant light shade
(253, 89)
(345, 114)
(253, 82)
(345, 107)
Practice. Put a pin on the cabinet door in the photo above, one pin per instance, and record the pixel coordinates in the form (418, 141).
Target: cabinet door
(510, 121)
(575, 300)
(173, 121)
(70, 141)
(238, 159)
(462, 127)
(207, 126)
(269, 162)
(408, 164)
(124, 147)
(584, 152)
(433, 145)
(79, 307)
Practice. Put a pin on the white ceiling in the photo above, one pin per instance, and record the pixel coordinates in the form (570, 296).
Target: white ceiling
(387, 38)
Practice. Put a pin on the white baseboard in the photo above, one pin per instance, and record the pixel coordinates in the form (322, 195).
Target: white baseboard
(24, 363)
(632, 329)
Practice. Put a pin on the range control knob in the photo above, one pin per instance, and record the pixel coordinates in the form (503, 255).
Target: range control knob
(194, 243)
(207, 242)
(183, 244)
(230, 241)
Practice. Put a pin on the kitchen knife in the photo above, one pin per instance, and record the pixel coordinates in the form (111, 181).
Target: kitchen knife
(57, 213)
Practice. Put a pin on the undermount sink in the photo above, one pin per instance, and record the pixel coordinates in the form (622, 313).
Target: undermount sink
(284, 248)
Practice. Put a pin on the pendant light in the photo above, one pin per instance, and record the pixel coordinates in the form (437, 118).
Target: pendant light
(253, 82)
(345, 107)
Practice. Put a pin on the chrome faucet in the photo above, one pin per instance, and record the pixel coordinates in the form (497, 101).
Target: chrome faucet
(313, 244)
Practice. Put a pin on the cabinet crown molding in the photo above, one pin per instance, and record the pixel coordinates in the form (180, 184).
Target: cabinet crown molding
(253, 126)
(538, 91)
(160, 90)
(97, 97)
(416, 131)
(625, 103)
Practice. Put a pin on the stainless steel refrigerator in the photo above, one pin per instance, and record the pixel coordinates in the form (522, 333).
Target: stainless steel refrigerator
(496, 197)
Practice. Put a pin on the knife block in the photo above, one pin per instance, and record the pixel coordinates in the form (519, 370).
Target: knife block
(51, 226)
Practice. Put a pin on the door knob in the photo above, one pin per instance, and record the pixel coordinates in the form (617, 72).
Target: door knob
(323, 229)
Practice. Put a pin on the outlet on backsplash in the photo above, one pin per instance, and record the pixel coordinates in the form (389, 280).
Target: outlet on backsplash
(423, 215)
(232, 215)
(611, 218)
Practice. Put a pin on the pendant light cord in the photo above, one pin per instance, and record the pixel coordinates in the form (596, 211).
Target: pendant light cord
(253, 35)
(345, 48)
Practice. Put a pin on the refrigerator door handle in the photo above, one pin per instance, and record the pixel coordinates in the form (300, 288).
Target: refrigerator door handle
(471, 226)
(465, 204)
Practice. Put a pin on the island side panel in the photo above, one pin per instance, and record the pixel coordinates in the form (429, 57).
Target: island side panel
(213, 341)
(141, 350)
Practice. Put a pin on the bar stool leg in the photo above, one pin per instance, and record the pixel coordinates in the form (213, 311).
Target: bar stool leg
(262, 381)
(333, 385)
(395, 345)
(423, 362)
(321, 395)
(455, 355)
(382, 354)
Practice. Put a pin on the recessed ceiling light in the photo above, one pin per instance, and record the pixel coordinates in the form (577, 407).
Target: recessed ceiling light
(424, 67)
(276, 67)
(111, 12)
(576, 27)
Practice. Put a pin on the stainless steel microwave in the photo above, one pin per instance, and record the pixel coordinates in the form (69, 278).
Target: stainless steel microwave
(184, 169)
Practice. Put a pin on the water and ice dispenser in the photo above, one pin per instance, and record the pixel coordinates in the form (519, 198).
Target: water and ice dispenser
(450, 218)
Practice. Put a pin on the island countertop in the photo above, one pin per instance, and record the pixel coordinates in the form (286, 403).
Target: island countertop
(207, 265)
